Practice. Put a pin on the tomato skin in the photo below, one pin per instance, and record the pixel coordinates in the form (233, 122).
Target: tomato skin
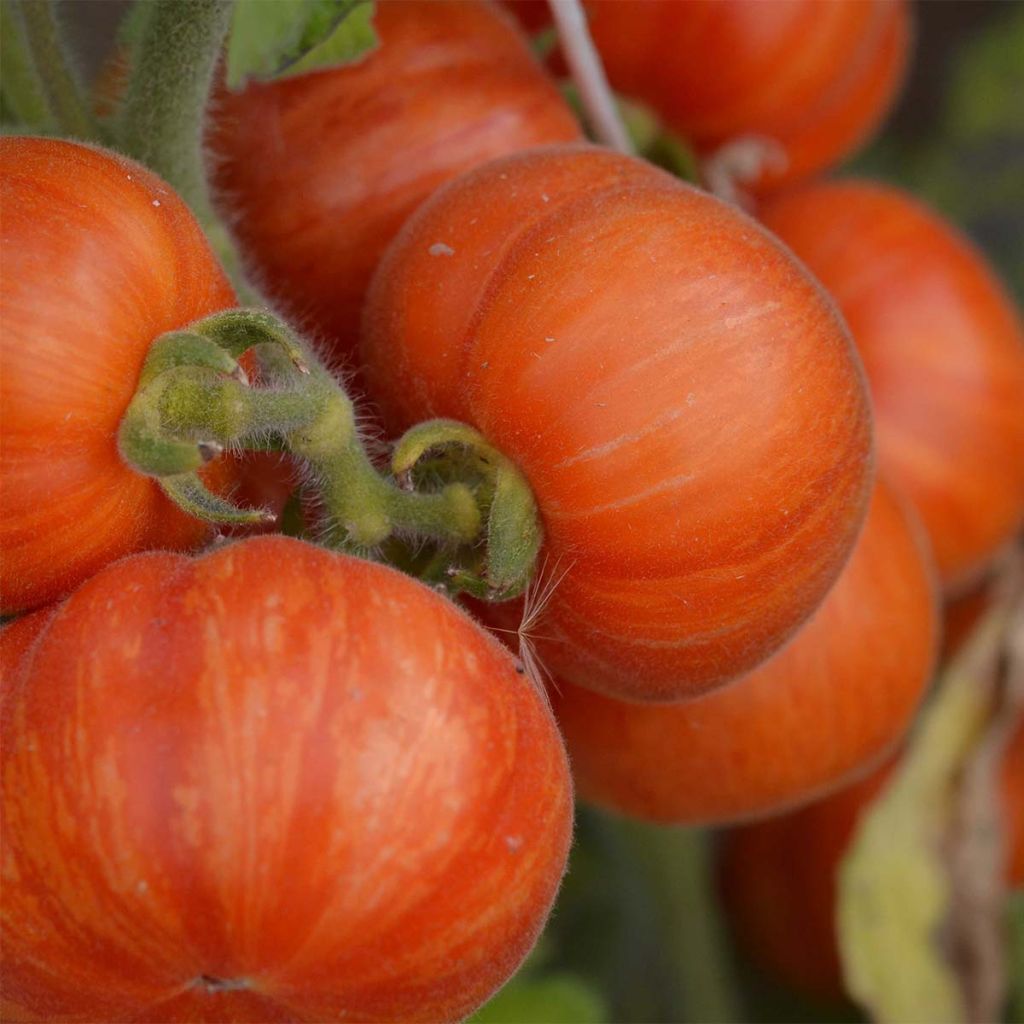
(778, 883)
(778, 877)
(100, 258)
(298, 772)
(816, 76)
(944, 351)
(642, 352)
(320, 171)
(820, 711)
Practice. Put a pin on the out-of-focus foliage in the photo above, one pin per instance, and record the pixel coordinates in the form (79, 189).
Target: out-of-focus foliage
(896, 890)
(552, 999)
(971, 166)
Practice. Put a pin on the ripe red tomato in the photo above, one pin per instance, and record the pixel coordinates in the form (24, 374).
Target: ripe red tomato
(779, 877)
(681, 396)
(271, 783)
(825, 707)
(944, 351)
(816, 76)
(100, 258)
(319, 171)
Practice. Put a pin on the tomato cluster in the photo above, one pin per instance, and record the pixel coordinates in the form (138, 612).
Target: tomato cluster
(279, 782)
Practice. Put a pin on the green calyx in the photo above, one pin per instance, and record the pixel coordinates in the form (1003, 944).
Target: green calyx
(452, 510)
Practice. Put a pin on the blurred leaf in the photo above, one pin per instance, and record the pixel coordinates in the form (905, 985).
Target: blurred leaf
(555, 999)
(895, 887)
(271, 39)
(987, 93)
(981, 140)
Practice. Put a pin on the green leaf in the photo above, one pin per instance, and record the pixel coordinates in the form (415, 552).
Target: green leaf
(270, 39)
(555, 999)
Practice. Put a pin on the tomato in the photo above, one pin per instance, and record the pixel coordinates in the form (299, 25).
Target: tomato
(683, 400)
(779, 877)
(100, 259)
(814, 76)
(271, 783)
(943, 347)
(820, 711)
(319, 171)
(778, 883)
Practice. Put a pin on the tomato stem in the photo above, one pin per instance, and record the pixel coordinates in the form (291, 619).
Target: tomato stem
(588, 74)
(52, 71)
(161, 120)
(448, 487)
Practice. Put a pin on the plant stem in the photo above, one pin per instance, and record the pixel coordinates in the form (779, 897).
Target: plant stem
(53, 69)
(193, 401)
(588, 74)
(677, 862)
(162, 118)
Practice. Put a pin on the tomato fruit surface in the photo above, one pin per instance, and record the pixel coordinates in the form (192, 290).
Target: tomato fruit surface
(100, 258)
(270, 783)
(681, 396)
(814, 76)
(943, 347)
(319, 171)
(824, 708)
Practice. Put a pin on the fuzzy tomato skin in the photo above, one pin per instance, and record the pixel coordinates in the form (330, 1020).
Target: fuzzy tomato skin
(100, 258)
(826, 706)
(943, 347)
(320, 171)
(680, 395)
(816, 76)
(778, 877)
(271, 783)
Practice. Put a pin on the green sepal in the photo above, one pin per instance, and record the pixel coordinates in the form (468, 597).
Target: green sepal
(191, 495)
(514, 534)
(238, 330)
(148, 448)
(185, 348)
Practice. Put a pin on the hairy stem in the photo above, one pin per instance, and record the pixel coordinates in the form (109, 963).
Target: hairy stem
(52, 69)
(162, 118)
(193, 401)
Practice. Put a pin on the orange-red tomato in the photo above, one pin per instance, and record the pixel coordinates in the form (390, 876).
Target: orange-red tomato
(824, 708)
(779, 877)
(943, 347)
(270, 783)
(814, 76)
(100, 258)
(320, 171)
(681, 396)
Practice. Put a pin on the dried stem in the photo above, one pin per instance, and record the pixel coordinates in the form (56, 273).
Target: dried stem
(588, 74)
